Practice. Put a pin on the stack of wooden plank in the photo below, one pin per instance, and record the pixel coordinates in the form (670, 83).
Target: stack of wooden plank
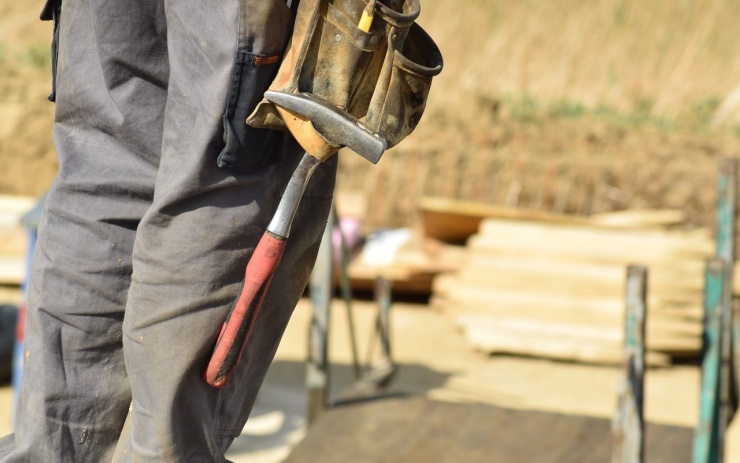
(555, 289)
(412, 268)
(13, 238)
(403, 256)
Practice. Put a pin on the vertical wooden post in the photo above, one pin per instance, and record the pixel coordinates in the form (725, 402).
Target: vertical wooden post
(317, 368)
(628, 424)
(706, 438)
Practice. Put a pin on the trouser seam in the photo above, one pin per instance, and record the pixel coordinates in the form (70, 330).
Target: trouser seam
(228, 432)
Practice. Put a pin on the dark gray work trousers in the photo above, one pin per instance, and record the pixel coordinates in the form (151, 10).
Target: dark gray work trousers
(161, 196)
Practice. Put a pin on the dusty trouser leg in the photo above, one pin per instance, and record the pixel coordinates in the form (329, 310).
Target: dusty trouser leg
(178, 302)
(75, 392)
(193, 244)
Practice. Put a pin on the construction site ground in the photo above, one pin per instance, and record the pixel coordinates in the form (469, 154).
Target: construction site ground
(436, 363)
(526, 115)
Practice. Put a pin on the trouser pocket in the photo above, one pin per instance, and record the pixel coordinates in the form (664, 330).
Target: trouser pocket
(264, 29)
(52, 10)
(245, 146)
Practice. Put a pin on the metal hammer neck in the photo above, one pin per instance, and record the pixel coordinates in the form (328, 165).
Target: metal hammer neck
(283, 218)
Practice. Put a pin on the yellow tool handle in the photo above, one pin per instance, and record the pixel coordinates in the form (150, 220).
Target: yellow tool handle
(366, 20)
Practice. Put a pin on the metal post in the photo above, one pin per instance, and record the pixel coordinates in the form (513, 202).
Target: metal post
(727, 210)
(735, 352)
(317, 368)
(726, 218)
(346, 291)
(380, 374)
(383, 296)
(628, 426)
(726, 232)
(706, 448)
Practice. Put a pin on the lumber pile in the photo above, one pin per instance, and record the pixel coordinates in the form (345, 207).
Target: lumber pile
(555, 289)
(13, 238)
(411, 268)
(406, 257)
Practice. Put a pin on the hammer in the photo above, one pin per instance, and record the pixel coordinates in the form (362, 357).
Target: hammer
(322, 129)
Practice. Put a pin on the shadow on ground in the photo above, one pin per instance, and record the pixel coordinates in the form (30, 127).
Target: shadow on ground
(417, 429)
(278, 421)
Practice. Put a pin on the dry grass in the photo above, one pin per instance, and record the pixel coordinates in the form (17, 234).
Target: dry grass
(561, 105)
(569, 106)
(671, 57)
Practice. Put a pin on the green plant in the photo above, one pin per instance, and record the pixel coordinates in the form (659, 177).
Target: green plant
(36, 55)
(736, 130)
(699, 115)
(523, 108)
(566, 109)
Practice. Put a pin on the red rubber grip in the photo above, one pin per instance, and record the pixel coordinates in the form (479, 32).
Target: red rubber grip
(240, 320)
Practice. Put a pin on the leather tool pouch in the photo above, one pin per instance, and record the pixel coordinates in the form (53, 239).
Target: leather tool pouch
(381, 77)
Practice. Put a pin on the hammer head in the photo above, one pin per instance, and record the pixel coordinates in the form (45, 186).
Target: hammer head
(335, 125)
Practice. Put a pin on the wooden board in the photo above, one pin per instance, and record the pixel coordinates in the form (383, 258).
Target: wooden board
(412, 270)
(13, 238)
(453, 220)
(550, 293)
(414, 429)
(608, 246)
(556, 347)
(555, 289)
(12, 270)
(569, 341)
(12, 208)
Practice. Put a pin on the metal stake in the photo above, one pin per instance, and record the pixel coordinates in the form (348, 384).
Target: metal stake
(726, 232)
(706, 442)
(317, 367)
(628, 425)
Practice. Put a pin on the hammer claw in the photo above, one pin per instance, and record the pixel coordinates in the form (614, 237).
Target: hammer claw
(337, 126)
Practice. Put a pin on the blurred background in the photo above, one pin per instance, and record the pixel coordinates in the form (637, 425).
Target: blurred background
(546, 113)
(534, 95)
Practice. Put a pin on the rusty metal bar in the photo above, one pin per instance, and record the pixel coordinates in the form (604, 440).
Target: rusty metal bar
(727, 209)
(706, 440)
(628, 425)
(727, 190)
(379, 374)
(346, 291)
(727, 184)
(383, 296)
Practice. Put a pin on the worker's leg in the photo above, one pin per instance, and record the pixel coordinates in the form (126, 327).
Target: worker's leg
(193, 244)
(75, 392)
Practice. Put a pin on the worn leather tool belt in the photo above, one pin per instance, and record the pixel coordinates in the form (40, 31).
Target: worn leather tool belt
(380, 77)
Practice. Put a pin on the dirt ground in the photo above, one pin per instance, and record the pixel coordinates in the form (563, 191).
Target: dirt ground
(468, 146)
(435, 362)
